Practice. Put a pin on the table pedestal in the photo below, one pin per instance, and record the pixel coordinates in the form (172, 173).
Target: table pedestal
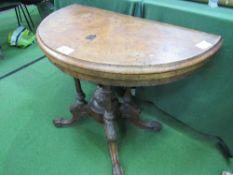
(105, 108)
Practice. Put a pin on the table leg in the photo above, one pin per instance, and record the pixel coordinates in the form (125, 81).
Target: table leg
(130, 111)
(104, 107)
(80, 94)
(77, 109)
(110, 131)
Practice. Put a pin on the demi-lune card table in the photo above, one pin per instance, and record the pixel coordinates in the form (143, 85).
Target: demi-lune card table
(115, 50)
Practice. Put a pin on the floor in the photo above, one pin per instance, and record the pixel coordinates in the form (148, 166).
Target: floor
(31, 145)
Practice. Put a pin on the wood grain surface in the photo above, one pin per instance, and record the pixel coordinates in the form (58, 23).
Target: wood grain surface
(114, 49)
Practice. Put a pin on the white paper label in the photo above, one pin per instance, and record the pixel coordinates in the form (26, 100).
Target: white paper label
(203, 45)
(133, 91)
(65, 50)
(213, 3)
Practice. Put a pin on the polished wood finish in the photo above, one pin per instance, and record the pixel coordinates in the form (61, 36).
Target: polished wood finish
(111, 49)
(117, 50)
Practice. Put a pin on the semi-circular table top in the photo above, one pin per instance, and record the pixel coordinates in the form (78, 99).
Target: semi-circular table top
(115, 49)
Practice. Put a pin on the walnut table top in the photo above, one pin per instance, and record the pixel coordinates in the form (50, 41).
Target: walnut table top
(114, 49)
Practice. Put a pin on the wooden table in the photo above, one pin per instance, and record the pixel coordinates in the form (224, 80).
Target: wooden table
(111, 49)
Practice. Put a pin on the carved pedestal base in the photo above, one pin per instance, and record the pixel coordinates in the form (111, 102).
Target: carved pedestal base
(105, 108)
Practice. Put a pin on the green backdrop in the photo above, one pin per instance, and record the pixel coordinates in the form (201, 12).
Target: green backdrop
(122, 6)
(204, 100)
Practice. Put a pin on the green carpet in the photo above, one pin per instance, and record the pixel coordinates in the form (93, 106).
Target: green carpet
(31, 145)
(16, 57)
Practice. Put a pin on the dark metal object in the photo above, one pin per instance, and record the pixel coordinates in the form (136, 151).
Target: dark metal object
(17, 15)
(1, 54)
(28, 14)
(105, 108)
(19, 7)
(25, 16)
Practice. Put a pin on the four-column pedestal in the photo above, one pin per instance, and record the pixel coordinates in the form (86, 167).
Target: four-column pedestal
(105, 108)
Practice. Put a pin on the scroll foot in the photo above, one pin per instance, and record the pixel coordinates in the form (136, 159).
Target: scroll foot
(77, 111)
(150, 125)
(60, 122)
(130, 111)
